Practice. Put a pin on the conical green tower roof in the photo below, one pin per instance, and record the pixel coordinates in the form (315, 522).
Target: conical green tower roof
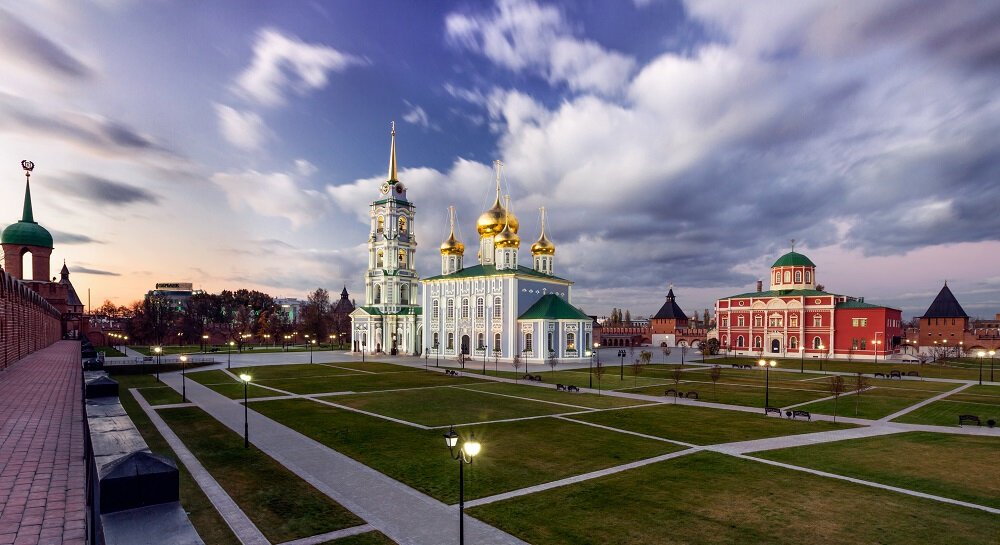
(26, 232)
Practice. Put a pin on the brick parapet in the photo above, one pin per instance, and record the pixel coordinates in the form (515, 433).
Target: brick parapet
(27, 321)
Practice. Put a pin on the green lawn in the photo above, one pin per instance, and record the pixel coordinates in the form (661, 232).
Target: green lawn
(280, 503)
(207, 521)
(367, 382)
(927, 370)
(702, 426)
(159, 395)
(593, 401)
(743, 387)
(302, 371)
(886, 397)
(960, 467)
(109, 351)
(713, 498)
(367, 538)
(581, 377)
(982, 401)
(444, 406)
(228, 386)
(514, 455)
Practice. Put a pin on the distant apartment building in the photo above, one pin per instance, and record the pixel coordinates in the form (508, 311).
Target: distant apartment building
(174, 294)
(290, 308)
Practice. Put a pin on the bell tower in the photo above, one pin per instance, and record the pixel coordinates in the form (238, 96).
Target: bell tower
(25, 237)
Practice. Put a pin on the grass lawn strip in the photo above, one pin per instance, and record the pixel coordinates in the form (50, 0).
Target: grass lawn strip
(282, 505)
(368, 383)
(222, 383)
(523, 398)
(747, 502)
(873, 403)
(588, 400)
(302, 370)
(160, 395)
(207, 521)
(367, 538)
(515, 455)
(703, 426)
(941, 464)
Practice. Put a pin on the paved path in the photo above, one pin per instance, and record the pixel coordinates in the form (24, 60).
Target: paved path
(42, 473)
(405, 515)
(897, 414)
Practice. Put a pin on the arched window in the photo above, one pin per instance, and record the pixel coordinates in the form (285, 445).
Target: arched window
(496, 307)
(450, 309)
(378, 294)
(739, 341)
(496, 342)
(404, 295)
(793, 343)
(435, 310)
(480, 342)
(570, 341)
(551, 349)
(465, 308)
(808, 277)
(817, 320)
(402, 259)
(725, 340)
(380, 260)
(777, 277)
(451, 341)
(758, 321)
(479, 307)
(788, 277)
(402, 225)
(798, 277)
(740, 321)
(381, 225)
(527, 342)
(817, 342)
(435, 345)
(506, 258)
(757, 342)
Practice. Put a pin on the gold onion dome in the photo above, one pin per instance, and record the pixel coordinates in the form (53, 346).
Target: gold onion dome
(452, 246)
(543, 246)
(495, 219)
(507, 238)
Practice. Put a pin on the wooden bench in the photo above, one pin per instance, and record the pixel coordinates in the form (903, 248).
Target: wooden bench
(450, 372)
(796, 414)
(776, 410)
(560, 387)
(913, 374)
(572, 388)
(895, 374)
(879, 375)
(747, 366)
(670, 392)
(538, 378)
(692, 395)
(963, 418)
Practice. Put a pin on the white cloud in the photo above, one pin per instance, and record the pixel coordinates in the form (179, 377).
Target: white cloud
(275, 194)
(417, 116)
(524, 35)
(282, 63)
(304, 167)
(244, 130)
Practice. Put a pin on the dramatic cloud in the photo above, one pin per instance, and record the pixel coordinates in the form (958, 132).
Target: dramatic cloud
(284, 63)
(98, 272)
(275, 194)
(104, 192)
(21, 44)
(244, 130)
(61, 237)
(523, 35)
(417, 116)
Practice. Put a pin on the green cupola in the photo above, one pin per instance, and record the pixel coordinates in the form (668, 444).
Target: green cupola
(26, 232)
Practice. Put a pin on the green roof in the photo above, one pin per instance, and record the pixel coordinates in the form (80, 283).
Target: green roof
(793, 259)
(491, 270)
(858, 304)
(779, 293)
(553, 307)
(26, 231)
(371, 310)
(402, 312)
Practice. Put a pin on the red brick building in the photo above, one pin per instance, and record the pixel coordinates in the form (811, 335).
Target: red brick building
(945, 329)
(795, 319)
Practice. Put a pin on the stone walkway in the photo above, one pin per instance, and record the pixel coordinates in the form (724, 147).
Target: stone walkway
(42, 473)
(405, 515)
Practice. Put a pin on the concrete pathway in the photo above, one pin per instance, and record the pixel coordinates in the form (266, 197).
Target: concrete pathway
(241, 525)
(405, 515)
(911, 408)
(42, 473)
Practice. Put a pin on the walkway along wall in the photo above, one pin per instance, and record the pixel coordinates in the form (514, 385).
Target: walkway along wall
(27, 321)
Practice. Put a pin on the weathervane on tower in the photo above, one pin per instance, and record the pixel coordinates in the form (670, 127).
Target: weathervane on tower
(793, 244)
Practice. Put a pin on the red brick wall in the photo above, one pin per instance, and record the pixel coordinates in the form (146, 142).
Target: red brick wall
(27, 321)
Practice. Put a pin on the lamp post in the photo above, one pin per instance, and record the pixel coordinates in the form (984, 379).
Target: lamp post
(981, 355)
(229, 355)
(802, 359)
(767, 365)
(311, 343)
(596, 345)
(246, 417)
(437, 355)
(621, 369)
(468, 451)
(157, 350)
(204, 341)
(992, 352)
(822, 348)
(184, 360)
(363, 345)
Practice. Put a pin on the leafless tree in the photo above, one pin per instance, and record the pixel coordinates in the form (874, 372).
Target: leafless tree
(861, 384)
(715, 373)
(517, 366)
(836, 387)
(675, 375)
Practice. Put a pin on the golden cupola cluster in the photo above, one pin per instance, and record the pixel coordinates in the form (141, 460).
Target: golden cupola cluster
(493, 221)
(507, 237)
(543, 246)
(452, 246)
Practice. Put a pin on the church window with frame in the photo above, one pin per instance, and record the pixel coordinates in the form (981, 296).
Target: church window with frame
(793, 320)
(788, 277)
(739, 341)
(449, 312)
(402, 259)
(381, 224)
(757, 342)
(777, 277)
(740, 321)
(758, 321)
(551, 346)
(817, 342)
(377, 294)
(864, 344)
(775, 321)
(480, 341)
(798, 277)
(570, 342)
(451, 341)
(465, 308)
(817, 320)
(527, 342)
(496, 307)
(402, 225)
(404, 295)
(725, 321)
(435, 341)
(808, 277)
(793, 343)
(479, 307)
(435, 311)
(380, 259)
(496, 342)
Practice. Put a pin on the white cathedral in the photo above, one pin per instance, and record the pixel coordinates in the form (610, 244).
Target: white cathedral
(497, 308)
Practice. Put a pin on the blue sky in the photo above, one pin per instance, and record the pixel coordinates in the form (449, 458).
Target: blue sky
(237, 144)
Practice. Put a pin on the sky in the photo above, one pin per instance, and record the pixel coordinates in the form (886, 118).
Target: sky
(237, 145)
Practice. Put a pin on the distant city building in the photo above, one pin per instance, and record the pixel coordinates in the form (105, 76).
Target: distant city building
(945, 328)
(174, 294)
(669, 327)
(290, 308)
(794, 315)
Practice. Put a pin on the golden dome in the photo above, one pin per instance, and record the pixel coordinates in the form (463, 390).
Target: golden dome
(507, 238)
(493, 220)
(543, 246)
(452, 246)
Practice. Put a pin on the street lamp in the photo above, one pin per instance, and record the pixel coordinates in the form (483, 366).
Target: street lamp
(204, 341)
(821, 347)
(802, 359)
(184, 360)
(229, 355)
(470, 448)
(246, 420)
(992, 352)
(981, 355)
(767, 365)
(596, 345)
(157, 350)
(364, 344)
(311, 351)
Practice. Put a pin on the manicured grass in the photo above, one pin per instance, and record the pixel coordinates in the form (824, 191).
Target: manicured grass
(593, 401)
(207, 521)
(444, 406)
(927, 370)
(372, 366)
(982, 401)
(745, 388)
(228, 386)
(302, 371)
(713, 498)
(280, 503)
(886, 397)
(367, 538)
(109, 351)
(514, 455)
(581, 377)
(161, 395)
(367, 383)
(960, 467)
(702, 426)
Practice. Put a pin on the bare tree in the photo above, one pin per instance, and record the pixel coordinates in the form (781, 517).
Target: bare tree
(517, 366)
(684, 351)
(599, 370)
(638, 365)
(675, 375)
(861, 384)
(666, 352)
(836, 387)
(552, 362)
(715, 373)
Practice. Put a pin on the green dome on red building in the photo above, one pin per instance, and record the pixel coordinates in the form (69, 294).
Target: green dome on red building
(27, 232)
(793, 259)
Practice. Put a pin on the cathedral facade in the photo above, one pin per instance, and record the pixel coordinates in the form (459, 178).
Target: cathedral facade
(389, 321)
(499, 308)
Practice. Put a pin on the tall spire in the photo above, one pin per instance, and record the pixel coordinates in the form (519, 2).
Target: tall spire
(499, 166)
(26, 215)
(392, 155)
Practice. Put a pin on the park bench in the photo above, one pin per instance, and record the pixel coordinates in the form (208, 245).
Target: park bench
(692, 394)
(963, 418)
(670, 392)
(450, 372)
(560, 387)
(879, 375)
(913, 374)
(796, 414)
(776, 410)
(147, 358)
(572, 388)
(736, 366)
(214, 349)
(538, 378)
(747, 366)
(895, 374)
